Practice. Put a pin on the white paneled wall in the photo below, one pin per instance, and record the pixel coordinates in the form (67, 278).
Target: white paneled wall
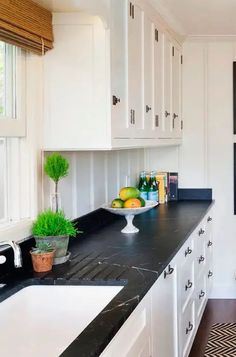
(162, 158)
(206, 156)
(95, 178)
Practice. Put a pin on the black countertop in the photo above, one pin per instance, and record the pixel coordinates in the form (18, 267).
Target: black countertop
(108, 257)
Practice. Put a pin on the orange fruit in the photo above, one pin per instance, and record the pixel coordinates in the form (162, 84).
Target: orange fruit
(132, 203)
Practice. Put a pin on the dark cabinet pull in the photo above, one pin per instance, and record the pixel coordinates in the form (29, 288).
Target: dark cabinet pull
(201, 231)
(148, 108)
(202, 294)
(188, 251)
(189, 328)
(115, 100)
(210, 274)
(167, 113)
(132, 11)
(209, 244)
(209, 219)
(157, 120)
(132, 116)
(201, 259)
(188, 285)
(169, 272)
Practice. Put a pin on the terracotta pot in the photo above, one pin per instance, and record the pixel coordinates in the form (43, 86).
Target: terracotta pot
(42, 262)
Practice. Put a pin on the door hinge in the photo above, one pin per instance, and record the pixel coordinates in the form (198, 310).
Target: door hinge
(173, 51)
(181, 60)
(156, 35)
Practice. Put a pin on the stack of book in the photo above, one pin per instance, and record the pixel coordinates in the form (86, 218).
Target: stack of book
(167, 186)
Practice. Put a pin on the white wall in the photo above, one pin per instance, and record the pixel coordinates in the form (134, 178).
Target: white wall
(96, 178)
(206, 156)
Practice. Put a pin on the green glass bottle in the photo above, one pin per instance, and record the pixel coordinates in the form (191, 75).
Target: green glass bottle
(143, 185)
(153, 188)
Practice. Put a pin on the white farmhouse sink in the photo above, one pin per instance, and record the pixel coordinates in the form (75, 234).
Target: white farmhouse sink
(43, 320)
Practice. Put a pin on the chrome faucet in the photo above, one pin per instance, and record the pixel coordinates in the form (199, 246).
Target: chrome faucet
(17, 253)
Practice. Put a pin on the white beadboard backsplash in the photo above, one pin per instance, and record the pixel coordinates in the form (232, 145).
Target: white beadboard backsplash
(95, 178)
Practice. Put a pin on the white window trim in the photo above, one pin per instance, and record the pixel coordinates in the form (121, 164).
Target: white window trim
(16, 127)
(18, 231)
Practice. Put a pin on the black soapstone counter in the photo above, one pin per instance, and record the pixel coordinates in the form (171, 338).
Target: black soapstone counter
(102, 255)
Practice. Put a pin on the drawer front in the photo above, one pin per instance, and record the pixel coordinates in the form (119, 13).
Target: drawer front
(186, 284)
(187, 329)
(209, 279)
(200, 297)
(200, 254)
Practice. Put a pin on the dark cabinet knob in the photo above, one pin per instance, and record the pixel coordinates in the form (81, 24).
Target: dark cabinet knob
(209, 244)
(115, 100)
(188, 285)
(201, 259)
(210, 274)
(202, 294)
(148, 108)
(175, 116)
(167, 113)
(209, 219)
(189, 328)
(168, 272)
(188, 251)
(201, 231)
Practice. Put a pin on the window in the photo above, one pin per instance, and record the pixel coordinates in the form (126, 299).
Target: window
(12, 108)
(15, 150)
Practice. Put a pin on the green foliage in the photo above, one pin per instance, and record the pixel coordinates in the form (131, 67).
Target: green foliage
(42, 247)
(51, 223)
(56, 167)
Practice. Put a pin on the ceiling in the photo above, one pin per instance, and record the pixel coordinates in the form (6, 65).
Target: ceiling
(199, 17)
(188, 17)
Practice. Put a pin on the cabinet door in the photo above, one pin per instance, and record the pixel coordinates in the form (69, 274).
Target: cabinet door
(148, 77)
(164, 319)
(158, 111)
(167, 118)
(120, 124)
(176, 92)
(135, 69)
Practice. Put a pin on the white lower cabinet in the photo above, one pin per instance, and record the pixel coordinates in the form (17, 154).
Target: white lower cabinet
(164, 319)
(134, 338)
(165, 322)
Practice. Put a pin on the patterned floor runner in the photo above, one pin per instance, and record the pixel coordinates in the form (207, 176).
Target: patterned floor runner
(222, 341)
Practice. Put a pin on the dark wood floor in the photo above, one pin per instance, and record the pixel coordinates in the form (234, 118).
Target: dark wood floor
(217, 310)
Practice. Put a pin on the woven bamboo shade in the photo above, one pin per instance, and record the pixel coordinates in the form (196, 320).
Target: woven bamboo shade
(26, 24)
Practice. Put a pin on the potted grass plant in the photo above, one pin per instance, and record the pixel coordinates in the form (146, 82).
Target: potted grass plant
(56, 167)
(42, 257)
(54, 228)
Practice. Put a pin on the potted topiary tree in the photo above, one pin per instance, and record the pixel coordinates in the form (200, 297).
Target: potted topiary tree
(54, 228)
(56, 167)
(42, 257)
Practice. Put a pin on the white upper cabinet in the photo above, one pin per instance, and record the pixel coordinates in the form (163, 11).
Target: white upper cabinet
(109, 84)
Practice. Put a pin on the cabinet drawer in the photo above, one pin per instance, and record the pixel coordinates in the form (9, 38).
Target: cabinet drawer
(186, 284)
(187, 329)
(200, 253)
(200, 297)
(209, 279)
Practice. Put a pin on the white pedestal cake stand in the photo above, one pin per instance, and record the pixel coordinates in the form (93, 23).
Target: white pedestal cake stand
(129, 214)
